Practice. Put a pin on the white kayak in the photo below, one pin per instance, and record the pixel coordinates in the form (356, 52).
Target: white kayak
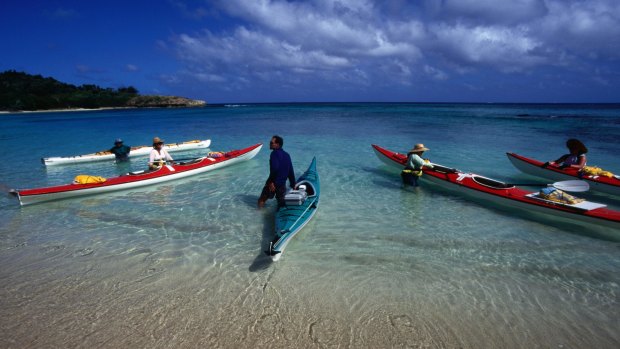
(135, 151)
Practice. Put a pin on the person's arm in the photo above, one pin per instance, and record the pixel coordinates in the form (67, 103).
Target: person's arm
(167, 155)
(555, 162)
(417, 161)
(428, 164)
(273, 167)
(560, 159)
(409, 163)
(152, 157)
(291, 176)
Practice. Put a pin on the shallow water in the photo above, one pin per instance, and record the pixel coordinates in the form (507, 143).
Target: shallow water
(181, 264)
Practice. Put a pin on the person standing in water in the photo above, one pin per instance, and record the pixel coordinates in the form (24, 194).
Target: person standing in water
(413, 167)
(120, 151)
(280, 169)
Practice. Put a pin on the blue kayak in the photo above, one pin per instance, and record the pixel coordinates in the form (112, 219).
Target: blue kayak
(301, 205)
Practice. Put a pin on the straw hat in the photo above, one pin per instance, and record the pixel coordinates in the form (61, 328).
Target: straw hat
(157, 140)
(418, 148)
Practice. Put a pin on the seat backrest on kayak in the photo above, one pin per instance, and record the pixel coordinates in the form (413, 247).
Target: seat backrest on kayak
(308, 187)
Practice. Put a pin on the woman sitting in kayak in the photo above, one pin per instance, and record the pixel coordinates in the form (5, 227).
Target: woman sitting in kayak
(576, 158)
(158, 155)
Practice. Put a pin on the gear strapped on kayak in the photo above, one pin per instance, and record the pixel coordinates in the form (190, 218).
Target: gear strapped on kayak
(87, 179)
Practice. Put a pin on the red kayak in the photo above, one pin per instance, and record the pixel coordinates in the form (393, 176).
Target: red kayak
(137, 179)
(610, 185)
(505, 194)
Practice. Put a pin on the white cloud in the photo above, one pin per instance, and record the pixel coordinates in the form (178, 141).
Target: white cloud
(302, 38)
(495, 11)
(209, 77)
(335, 27)
(435, 73)
(583, 27)
(247, 48)
(392, 42)
(507, 49)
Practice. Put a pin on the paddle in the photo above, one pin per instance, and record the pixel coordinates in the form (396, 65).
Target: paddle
(573, 185)
(184, 159)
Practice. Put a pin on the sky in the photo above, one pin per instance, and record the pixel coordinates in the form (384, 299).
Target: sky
(263, 51)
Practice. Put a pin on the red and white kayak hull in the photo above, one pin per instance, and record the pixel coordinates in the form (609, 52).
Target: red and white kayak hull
(136, 179)
(610, 185)
(504, 194)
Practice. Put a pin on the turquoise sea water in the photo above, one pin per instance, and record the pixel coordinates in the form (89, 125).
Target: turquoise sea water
(181, 264)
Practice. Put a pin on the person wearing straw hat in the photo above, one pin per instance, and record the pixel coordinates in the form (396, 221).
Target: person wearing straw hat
(120, 151)
(413, 168)
(159, 155)
(576, 158)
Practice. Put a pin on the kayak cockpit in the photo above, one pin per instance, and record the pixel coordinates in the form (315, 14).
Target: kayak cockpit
(491, 183)
(309, 188)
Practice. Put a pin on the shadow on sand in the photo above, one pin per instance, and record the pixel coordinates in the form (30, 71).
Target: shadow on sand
(262, 260)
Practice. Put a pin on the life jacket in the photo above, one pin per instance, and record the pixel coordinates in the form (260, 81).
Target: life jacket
(417, 173)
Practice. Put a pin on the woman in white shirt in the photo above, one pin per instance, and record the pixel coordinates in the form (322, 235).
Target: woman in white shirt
(158, 155)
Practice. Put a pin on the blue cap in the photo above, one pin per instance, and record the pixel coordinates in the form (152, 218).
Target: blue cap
(118, 140)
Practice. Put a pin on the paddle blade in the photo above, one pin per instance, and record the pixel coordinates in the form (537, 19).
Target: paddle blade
(574, 185)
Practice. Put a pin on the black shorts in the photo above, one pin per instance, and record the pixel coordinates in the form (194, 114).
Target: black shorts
(278, 193)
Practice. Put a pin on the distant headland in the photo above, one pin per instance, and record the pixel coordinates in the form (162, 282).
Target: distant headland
(20, 91)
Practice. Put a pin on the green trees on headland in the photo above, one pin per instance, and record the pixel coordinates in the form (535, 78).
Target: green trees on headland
(24, 92)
